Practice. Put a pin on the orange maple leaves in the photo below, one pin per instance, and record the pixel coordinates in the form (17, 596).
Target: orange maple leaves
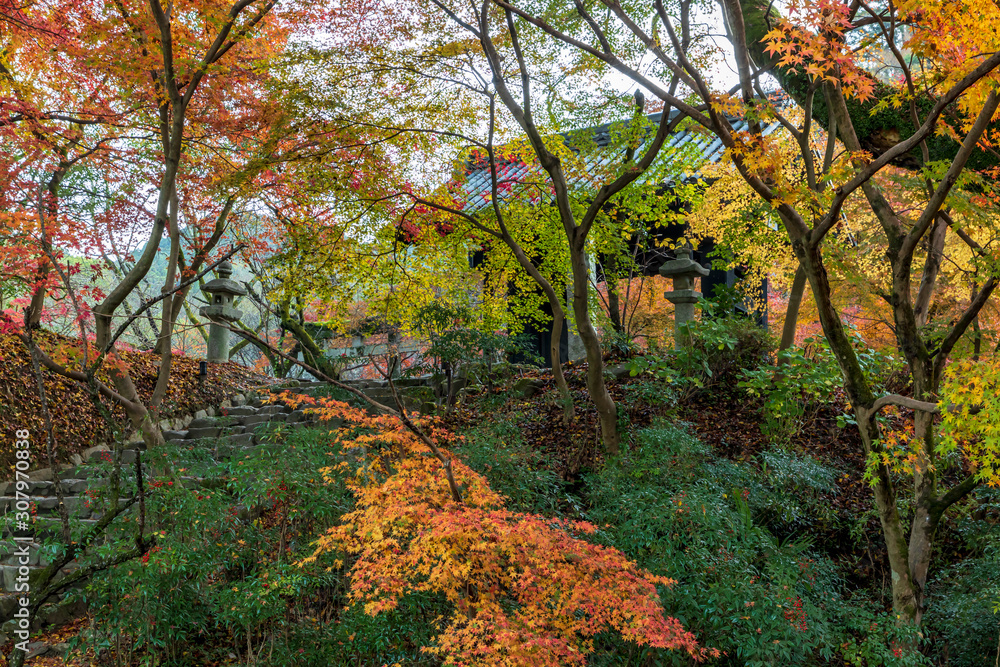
(524, 589)
(813, 39)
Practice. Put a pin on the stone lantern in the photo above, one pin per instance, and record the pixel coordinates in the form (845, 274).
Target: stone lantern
(221, 293)
(683, 270)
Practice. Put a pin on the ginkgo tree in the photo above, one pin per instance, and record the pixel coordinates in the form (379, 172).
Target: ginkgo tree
(946, 62)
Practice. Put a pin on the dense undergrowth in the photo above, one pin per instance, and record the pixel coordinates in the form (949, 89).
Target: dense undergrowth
(763, 547)
(766, 563)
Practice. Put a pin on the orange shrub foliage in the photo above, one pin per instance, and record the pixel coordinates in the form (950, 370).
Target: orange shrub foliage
(524, 589)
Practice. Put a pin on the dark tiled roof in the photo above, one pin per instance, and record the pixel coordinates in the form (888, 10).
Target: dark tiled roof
(683, 155)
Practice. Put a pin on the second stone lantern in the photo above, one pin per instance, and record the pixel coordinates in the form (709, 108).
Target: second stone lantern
(683, 270)
(221, 293)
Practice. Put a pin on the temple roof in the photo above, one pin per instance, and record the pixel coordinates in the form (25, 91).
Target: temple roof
(684, 153)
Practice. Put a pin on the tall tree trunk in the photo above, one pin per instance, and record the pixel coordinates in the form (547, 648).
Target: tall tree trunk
(932, 266)
(48, 210)
(977, 331)
(909, 555)
(39, 290)
(558, 320)
(606, 409)
(614, 298)
(167, 312)
(904, 590)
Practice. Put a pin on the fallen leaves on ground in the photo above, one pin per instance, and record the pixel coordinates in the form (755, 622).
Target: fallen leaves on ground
(77, 423)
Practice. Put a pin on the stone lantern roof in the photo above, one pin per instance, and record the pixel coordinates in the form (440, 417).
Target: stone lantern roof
(223, 284)
(221, 308)
(683, 270)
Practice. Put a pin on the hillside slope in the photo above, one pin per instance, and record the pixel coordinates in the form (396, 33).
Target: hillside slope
(77, 422)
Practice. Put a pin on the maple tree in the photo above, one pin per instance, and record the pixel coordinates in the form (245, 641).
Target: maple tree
(196, 135)
(524, 589)
(957, 71)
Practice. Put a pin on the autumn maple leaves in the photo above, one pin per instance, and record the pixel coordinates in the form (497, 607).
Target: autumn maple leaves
(523, 589)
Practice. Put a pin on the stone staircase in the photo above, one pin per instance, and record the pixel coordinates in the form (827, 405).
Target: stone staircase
(242, 425)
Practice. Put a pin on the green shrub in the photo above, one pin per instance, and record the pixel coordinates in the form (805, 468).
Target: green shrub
(802, 382)
(651, 392)
(963, 618)
(740, 589)
(722, 348)
(223, 577)
(519, 473)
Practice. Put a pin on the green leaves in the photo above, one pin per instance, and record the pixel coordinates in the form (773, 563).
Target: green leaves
(970, 423)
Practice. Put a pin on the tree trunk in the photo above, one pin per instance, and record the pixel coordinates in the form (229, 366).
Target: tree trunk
(906, 596)
(449, 398)
(558, 318)
(167, 312)
(932, 265)
(606, 409)
(977, 332)
(558, 322)
(905, 591)
(48, 209)
(614, 309)
(37, 303)
(614, 300)
(909, 556)
(792, 314)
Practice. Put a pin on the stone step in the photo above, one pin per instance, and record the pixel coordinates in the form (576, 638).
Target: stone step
(62, 613)
(100, 456)
(204, 432)
(298, 416)
(241, 411)
(70, 485)
(78, 506)
(10, 576)
(238, 439)
(228, 451)
(38, 555)
(11, 555)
